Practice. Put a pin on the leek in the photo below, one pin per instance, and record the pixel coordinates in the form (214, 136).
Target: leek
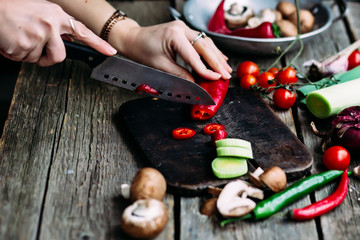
(329, 101)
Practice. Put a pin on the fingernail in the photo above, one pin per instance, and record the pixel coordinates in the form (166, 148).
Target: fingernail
(226, 75)
(112, 50)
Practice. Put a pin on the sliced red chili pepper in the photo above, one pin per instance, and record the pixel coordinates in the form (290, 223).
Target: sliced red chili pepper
(218, 135)
(211, 128)
(147, 89)
(183, 133)
(325, 205)
(217, 90)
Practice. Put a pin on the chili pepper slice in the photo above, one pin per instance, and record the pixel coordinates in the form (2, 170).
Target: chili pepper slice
(218, 135)
(321, 207)
(147, 89)
(183, 133)
(211, 128)
(217, 90)
(279, 200)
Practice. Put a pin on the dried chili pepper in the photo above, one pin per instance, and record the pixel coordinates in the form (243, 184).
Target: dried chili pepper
(325, 205)
(217, 24)
(299, 189)
(217, 90)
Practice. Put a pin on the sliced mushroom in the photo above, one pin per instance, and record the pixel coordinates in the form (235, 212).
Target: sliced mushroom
(148, 183)
(274, 178)
(145, 218)
(255, 177)
(209, 207)
(357, 171)
(238, 15)
(125, 190)
(233, 201)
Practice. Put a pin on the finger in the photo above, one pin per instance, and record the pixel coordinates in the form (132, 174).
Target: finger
(173, 68)
(80, 32)
(191, 57)
(54, 52)
(34, 55)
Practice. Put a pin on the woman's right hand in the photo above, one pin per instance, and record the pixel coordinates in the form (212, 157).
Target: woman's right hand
(32, 31)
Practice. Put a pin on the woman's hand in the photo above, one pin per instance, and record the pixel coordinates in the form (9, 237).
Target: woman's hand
(156, 46)
(32, 31)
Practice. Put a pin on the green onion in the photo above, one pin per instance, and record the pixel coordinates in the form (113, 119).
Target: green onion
(329, 101)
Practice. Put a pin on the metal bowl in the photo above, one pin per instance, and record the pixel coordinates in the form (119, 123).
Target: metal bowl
(197, 14)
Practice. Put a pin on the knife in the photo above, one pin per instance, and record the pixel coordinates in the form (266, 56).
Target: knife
(127, 74)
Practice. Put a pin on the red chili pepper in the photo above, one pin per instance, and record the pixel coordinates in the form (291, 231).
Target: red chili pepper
(218, 135)
(264, 30)
(217, 90)
(325, 205)
(217, 24)
(183, 133)
(211, 128)
(147, 89)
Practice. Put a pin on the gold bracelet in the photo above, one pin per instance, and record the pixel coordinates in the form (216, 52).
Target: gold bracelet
(116, 17)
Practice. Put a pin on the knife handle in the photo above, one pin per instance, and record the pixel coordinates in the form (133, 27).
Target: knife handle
(83, 53)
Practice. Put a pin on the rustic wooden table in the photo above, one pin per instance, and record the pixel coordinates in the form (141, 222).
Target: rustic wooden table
(63, 158)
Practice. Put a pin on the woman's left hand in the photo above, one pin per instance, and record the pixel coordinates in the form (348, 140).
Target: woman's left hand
(157, 46)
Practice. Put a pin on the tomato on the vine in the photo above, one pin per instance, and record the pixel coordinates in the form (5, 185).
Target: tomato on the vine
(247, 67)
(354, 59)
(284, 98)
(266, 80)
(287, 76)
(247, 81)
(274, 71)
(336, 158)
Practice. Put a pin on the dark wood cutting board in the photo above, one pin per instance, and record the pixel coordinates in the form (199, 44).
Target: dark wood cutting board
(186, 164)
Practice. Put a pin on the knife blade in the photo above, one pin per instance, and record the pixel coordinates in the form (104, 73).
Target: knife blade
(128, 74)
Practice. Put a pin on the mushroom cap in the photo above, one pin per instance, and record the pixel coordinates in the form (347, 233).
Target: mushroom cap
(286, 8)
(274, 178)
(148, 183)
(307, 20)
(145, 218)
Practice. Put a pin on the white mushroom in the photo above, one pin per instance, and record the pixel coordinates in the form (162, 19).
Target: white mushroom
(254, 22)
(267, 15)
(145, 218)
(238, 15)
(125, 190)
(254, 177)
(233, 201)
(357, 171)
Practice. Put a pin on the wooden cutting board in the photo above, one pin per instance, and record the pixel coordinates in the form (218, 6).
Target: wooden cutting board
(186, 164)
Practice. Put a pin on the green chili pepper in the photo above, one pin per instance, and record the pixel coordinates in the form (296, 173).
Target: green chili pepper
(278, 201)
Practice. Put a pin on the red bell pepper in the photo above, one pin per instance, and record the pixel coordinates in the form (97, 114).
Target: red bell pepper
(147, 89)
(217, 24)
(217, 90)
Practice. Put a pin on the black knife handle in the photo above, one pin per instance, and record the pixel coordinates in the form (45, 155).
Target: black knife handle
(83, 53)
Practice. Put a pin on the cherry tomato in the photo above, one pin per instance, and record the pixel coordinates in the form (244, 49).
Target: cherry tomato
(183, 133)
(274, 71)
(247, 67)
(247, 81)
(266, 79)
(336, 158)
(284, 98)
(354, 59)
(287, 76)
(211, 128)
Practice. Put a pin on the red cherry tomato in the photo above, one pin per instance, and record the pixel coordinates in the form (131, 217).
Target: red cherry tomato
(336, 158)
(274, 71)
(354, 59)
(287, 76)
(266, 79)
(211, 128)
(284, 98)
(247, 81)
(183, 133)
(247, 67)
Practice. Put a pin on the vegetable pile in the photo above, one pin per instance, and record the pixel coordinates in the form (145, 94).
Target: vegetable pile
(241, 20)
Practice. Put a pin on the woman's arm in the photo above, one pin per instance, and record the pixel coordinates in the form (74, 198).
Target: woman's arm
(155, 46)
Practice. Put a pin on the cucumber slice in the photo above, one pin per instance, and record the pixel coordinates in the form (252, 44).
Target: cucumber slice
(229, 167)
(233, 142)
(234, 152)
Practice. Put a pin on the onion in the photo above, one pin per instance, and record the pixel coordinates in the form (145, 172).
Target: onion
(346, 128)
